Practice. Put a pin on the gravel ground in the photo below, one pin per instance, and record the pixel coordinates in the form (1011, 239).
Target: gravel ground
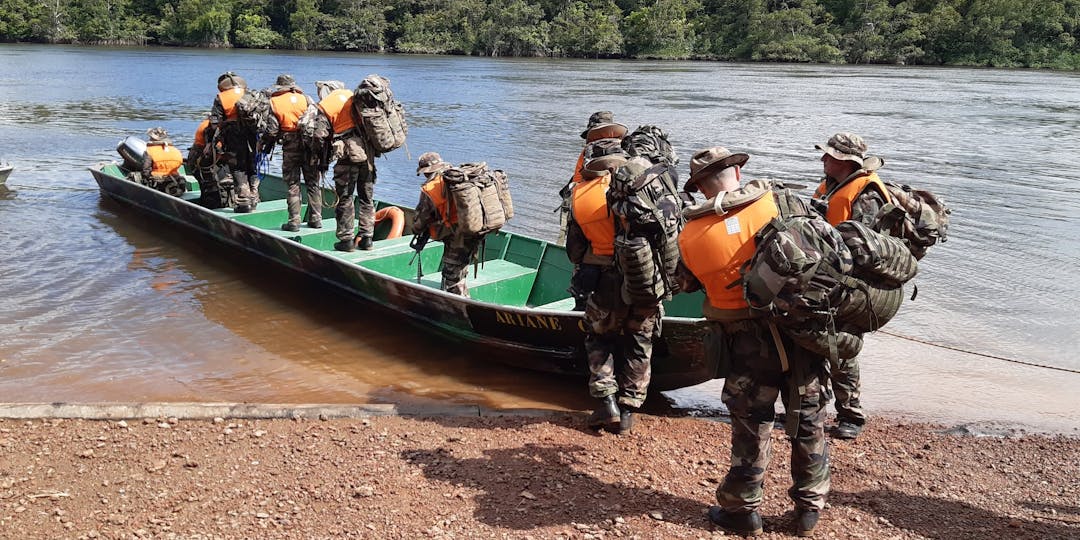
(505, 477)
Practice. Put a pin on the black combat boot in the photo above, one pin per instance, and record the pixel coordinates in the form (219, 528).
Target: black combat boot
(626, 419)
(805, 521)
(314, 224)
(290, 227)
(847, 430)
(345, 245)
(745, 524)
(364, 243)
(606, 416)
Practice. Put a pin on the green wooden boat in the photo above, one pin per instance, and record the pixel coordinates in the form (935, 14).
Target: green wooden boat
(519, 299)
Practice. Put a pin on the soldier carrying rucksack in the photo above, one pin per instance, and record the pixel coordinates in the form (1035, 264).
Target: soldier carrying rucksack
(459, 206)
(238, 139)
(288, 105)
(852, 192)
(758, 362)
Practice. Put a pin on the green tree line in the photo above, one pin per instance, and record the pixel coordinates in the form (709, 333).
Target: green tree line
(1003, 33)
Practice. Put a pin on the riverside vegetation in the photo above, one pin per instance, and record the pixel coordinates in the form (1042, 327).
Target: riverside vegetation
(1001, 33)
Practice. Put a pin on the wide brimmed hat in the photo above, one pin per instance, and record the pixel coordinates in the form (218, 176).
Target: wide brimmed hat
(156, 134)
(430, 162)
(285, 80)
(709, 161)
(597, 118)
(605, 131)
(845, 146)
(602, 165)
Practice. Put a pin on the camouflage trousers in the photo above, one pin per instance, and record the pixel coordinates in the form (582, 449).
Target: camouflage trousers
(458, 252)
(619, 342)
(358, 178)
(755, 381)
(845, 385)
(239, 157)
(294, 161)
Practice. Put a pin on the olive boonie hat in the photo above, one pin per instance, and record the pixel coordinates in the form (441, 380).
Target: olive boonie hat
(710, 161)
(602, 165)
(157, 134)
(605, 131)
(285, 80)
(597, 118)
(845, 146)
(430, 162)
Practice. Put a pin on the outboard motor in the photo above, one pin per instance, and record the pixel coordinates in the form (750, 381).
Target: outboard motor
(133, 150)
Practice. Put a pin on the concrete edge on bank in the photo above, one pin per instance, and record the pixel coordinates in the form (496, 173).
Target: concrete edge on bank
(253, 411)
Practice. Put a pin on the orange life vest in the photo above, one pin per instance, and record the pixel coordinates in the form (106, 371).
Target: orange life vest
(165, 157)
(839, 208)
(228, 101)
(715, 247)
(200, 133)
(591, 213)
(577, 168)
(435, 189)
(337, 106)
(288, 107)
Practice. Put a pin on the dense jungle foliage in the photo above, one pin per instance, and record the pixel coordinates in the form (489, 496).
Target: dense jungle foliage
(1039, 33)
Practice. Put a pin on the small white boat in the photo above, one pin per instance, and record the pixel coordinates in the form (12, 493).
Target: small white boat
(5, 170)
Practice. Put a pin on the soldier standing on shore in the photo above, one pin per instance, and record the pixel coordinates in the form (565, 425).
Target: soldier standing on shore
(851, 190)
(763, 365)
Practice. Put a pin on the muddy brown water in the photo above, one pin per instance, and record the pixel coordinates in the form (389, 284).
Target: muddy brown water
(100, 303)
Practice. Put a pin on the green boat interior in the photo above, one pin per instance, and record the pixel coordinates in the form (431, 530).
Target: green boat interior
(516, 270)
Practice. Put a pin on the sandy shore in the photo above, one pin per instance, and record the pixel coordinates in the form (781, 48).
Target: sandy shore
(505, 477)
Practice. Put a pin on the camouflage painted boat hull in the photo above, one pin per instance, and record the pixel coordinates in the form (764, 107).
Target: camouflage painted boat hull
(519, 301)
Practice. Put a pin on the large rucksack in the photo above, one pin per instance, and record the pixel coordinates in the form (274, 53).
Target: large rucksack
(644, 197)
(916, 216)
(826, 286)
(253, 110)
(481, 197)
(382, 117)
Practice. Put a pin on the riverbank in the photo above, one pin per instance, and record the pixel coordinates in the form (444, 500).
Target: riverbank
(522, 476)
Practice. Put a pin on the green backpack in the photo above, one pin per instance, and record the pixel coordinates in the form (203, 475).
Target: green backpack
(825, 286)
(917, 216)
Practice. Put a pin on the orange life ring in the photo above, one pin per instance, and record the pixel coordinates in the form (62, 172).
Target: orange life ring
(397, 220)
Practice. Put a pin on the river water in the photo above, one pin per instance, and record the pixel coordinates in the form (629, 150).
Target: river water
(102, 304)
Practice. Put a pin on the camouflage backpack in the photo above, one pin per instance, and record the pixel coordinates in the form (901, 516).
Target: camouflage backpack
(826, 286)
(253, 110)
(918, 217)
(382, 118)
(644, 197)
(481, 197)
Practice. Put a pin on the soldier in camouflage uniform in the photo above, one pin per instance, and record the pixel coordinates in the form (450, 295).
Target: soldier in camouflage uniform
(762, 364)
(436, 219)
(238, 141)
(851, 190)
(287, 104)
(619, 336)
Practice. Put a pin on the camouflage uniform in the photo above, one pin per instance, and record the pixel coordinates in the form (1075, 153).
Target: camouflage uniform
(458, 252)
(359, 178)
(845, 373)
(617, 330)
(458, 249)
(239, 147)
(754, 382)
(296, 159)
(618, 337)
